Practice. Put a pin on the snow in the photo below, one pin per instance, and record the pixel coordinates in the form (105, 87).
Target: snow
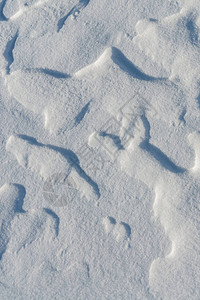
(100, 149)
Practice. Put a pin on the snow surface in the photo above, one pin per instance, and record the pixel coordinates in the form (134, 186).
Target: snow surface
(100, 149)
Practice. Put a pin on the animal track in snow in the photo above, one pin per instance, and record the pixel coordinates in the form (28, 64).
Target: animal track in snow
(48, 160)
(176, 205)
(120, 230)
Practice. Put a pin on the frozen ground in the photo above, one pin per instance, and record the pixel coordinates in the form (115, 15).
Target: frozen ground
(100, 149)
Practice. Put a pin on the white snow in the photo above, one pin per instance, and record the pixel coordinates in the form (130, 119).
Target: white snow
(100, 149)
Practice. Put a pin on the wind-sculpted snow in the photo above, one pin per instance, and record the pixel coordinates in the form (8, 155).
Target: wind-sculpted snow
(48, 160)
(11, 201)
(113, 56)
(40, 95)
(15, 9)
(99, 149)
(2, 16)
(173, 42)
(74, 12)
(40, 89)
(176, 193)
